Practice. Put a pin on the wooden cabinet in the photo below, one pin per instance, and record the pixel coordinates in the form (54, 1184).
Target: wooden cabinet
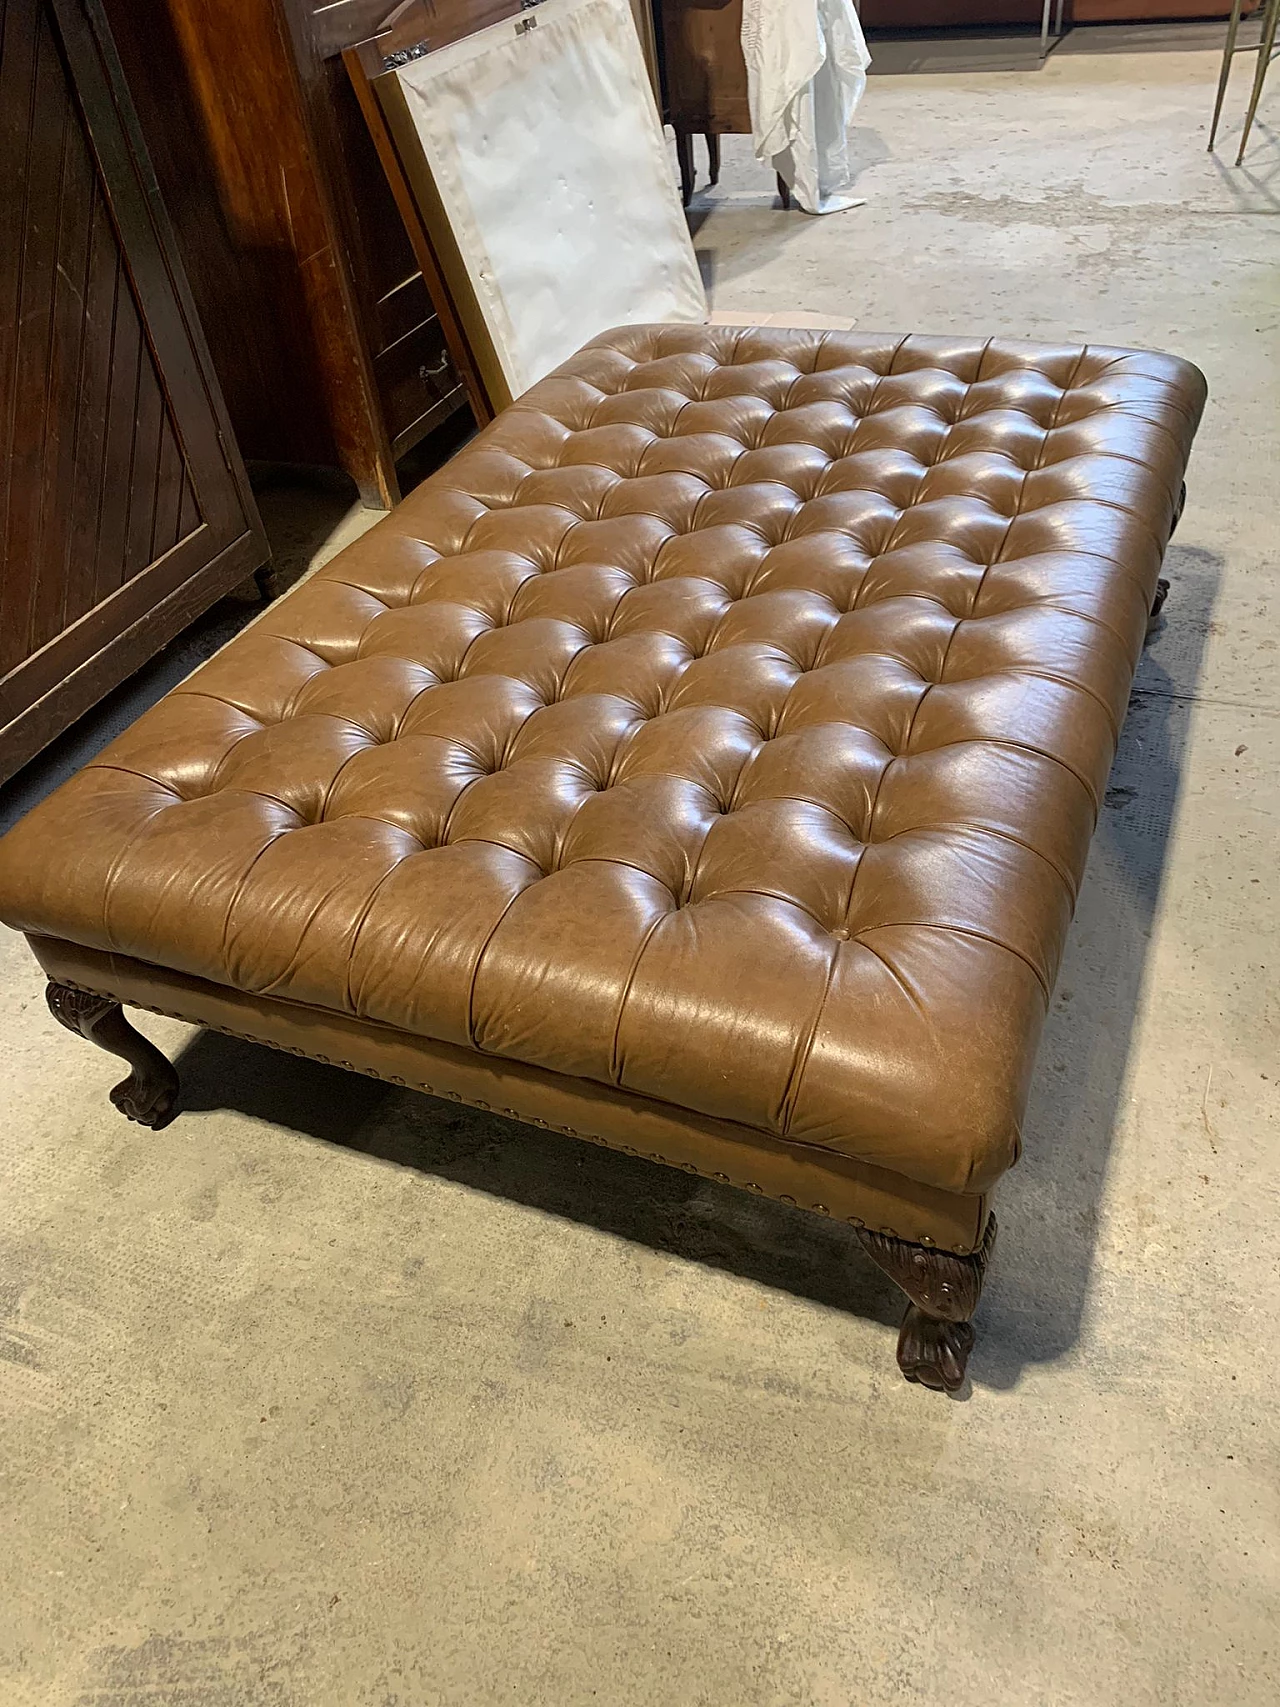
(124, 508)
(705, 76)
(939, 14)
(1136, 11)
(948, 14)
(322, 330)
(415, 381)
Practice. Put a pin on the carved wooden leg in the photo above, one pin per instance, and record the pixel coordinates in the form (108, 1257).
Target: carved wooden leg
(150, 1094)
(936, 1336)
(713, 156)
(684, 157)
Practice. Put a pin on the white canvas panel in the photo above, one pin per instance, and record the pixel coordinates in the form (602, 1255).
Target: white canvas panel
(547, 151)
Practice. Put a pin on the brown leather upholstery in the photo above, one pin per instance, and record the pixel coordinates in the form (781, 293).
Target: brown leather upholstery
(799, 1174)
(726, 725)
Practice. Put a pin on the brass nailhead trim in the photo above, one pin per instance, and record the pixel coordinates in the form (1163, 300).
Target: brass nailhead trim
(456, 1096)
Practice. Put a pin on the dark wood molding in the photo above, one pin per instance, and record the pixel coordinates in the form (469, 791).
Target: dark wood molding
(936, 1336)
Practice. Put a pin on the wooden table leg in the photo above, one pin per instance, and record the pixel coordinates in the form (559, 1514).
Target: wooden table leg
(713, 156)
(937, 1331)
(684, 154)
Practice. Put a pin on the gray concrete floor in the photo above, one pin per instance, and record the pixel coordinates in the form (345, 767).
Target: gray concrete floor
(333, 1396)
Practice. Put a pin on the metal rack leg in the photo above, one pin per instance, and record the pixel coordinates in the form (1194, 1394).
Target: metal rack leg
(1044, 27)
(1260, 74)
(1227, 55)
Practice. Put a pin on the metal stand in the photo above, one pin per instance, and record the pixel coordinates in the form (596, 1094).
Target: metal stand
(1264, 49)
(1044, 25)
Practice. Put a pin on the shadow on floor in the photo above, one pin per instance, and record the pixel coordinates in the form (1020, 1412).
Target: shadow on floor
(1049, 1204)
(622, 1195)
(1039, 1283)
(1257, 177)
(743, 243)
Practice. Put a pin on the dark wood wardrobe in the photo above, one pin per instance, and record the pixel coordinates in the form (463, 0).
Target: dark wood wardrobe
(325, 338)
(124, 508)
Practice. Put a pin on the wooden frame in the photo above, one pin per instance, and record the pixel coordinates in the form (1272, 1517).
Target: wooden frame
(415, 30)
(410, 31)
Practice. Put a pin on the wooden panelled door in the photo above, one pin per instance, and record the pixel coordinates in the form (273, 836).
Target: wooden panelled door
(124, 507)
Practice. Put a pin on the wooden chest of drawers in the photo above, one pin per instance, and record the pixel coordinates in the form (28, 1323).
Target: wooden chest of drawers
(321, 326)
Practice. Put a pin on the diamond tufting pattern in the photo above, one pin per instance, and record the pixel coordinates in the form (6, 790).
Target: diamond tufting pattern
(726, 723)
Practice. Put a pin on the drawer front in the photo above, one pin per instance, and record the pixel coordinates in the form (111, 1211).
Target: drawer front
(413, 375)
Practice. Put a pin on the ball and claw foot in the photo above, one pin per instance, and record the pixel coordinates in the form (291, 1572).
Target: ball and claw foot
(146, 1102)
(1157, 605)
(150, 1094)
(936, 1336)
(934, 1353)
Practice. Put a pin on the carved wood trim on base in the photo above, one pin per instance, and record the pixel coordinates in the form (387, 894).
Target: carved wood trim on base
(936, 1336)
(150, 1094)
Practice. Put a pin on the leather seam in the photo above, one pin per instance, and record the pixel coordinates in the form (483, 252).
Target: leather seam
(615, 1058)
(956, 930)
(1018, 747)
(479, 962)
(791, 1090)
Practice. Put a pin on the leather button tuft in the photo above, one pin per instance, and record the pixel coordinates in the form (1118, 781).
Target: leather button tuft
(723, 602)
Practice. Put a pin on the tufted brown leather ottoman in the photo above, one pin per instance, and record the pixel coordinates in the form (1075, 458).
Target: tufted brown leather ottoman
(703, 764)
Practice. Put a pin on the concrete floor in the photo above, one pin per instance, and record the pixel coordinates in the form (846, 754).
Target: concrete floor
(332, 1396)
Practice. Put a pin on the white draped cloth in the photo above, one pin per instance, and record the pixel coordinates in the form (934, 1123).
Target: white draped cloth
(806, 70)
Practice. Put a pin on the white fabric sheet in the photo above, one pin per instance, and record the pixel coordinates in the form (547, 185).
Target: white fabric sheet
(547, 151)
(806, 70)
